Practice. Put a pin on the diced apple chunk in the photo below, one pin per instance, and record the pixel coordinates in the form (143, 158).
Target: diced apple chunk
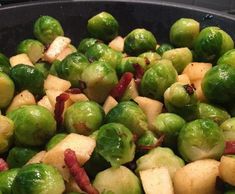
(82, 145)
(37, 158)
(55, 83)
(156, 181)
(117, 44)
(109, 103)
(67, 51)
(72, 186)
(200, 95)
(227, 169)
(20, 59)
(45, 102)
(184, 79)
(78, 97)
(23, 98)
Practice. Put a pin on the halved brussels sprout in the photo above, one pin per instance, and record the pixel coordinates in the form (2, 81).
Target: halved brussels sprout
(129, 114)
(115, 144)
(43, 67)
(83, 117)
(28, 78)
(163, 48)
(228, 128)
(201, 139)
(85, 44)
(184, 31)
(54, 67)
(38, 179)
(139, 41)
(4, 64)
(157, 79)
(33, 125)
(227, 58)
(47, 28)
(55, 140)
(103, 26)
(6, 180)
(117, 181)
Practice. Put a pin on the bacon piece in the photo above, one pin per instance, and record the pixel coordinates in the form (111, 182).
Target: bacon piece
(229, 147)
(78, 172)
(59, 107)
(158, 143)
(118, 91)
(139, 72)
(73, 91)
(189, 88)
(3, 165)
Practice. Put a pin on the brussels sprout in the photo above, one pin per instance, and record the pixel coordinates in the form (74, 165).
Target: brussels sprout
(7, 89)
(43, 68)
(71, 68)
(47, 28)
(147, 139)
(115, 144)
(83, 117)
(208, 111)
(182, 100)
(6, 180)
(230, 192)
(19, 156)
(55, 140)
(99, 78)
(28, 78)
(150, 56)
(160, 157)
(170, 125)
(129, 114)
(228, 128)
(218, 84)
(4, 64)
(85, 44)
(211, 43)
(117, 181)
(201, 139)
(180, 58)
(33, 125)
(103, 26)
(126, 64)
(163, 48)
(183, 32)
(54, 67)
(38, 179)
(157, 79)
(96, 51)
(139, 41)
(227, 58)
(6, 133)
(33, 48)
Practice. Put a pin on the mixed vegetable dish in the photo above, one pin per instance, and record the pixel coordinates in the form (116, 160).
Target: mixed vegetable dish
(118, 115)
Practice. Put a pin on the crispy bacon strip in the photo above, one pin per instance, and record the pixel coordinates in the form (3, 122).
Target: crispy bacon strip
(78, 172)
(229, 147)
(158, 143)
(118, 91)
(3, 165)
(73, 91)
(139, 72)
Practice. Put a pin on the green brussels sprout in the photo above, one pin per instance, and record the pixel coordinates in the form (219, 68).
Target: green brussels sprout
(160, 157)
(215, 113)
(228, 128)
(19, 156)
(169, 125)
(163, 48)
(180, 57)
(71, 68)
(126, 64)
(115, 144)
(47, 28)
(4, 64)
(28, 78)
(117, 181)
(227, 58)
(129, 114)
(218, 84)
(150, 56)
(43, 67)
(83, 117)
(99, 78)
(7, 89)
(211, 43)
(54, 67)
(55, 140)
(103, 26)
(85, 44)
(33, 125)
(201, 139)
(230, 192)
(38, 179)
(6, 133)
(6, 180)
(147, 139)
(182, 100)
(184, 32)
(139, 41)
(33, 48)
(157, 79)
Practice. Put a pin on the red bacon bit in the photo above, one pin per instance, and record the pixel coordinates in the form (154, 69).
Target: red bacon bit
(3, 165)
(189, 89)
(59, 107)
(118, 91)
(139, 72)
(158, 143)
(73, 91)
(229, 147)
(78, 173)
